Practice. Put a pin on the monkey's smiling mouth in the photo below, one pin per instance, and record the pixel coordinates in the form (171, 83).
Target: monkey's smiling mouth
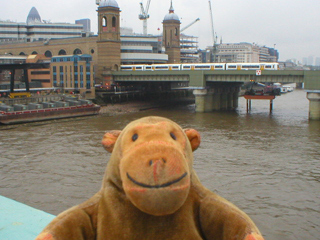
(158, 185)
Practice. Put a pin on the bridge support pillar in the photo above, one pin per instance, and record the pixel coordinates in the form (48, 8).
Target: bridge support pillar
(216, 99)
(204, 100)
(230, 99)
(236, 98)
(225, 99)
(314, 105)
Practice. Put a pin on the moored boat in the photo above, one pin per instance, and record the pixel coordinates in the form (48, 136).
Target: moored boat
(35, 115)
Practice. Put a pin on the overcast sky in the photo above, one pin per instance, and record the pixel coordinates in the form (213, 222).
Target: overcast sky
(293, 26)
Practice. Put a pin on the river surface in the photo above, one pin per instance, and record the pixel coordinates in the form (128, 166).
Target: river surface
(268, 165)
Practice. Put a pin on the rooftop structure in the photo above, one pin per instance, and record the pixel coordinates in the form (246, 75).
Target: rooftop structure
(36, 29)
(171, 15)
(108, 3)
(33, 16)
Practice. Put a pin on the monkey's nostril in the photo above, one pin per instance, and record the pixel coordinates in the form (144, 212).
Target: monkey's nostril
(150, 162)
(164, 160)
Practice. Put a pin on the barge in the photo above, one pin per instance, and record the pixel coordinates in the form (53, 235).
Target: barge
(50, 113)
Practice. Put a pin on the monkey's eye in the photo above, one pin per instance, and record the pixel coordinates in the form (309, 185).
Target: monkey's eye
(173, 136)
(135, 137)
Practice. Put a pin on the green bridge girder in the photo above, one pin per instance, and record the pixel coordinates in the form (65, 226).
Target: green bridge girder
(199, 79)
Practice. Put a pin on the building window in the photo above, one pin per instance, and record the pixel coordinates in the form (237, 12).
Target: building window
(114, 22)
(55, 80)
(48, 54)
(76, 81)
(77, 51)
(34, 53)
(62, 52)
(104, 22)
(88, 85)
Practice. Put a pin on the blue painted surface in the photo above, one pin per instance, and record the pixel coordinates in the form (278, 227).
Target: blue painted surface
(19, 221)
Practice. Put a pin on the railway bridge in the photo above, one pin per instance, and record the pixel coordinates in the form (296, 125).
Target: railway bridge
(217, 90)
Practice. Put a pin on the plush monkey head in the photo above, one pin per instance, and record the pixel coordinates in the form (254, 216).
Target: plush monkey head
(152, 160)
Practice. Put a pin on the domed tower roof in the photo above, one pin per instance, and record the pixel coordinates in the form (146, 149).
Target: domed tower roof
(109, 3)
(171, 15)
(33, 16)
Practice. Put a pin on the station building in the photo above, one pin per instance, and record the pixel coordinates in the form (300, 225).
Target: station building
(35, 29)
(106, 51)
(109, 49)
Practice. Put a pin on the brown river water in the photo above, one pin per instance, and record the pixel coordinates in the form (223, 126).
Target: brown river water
(268, 165)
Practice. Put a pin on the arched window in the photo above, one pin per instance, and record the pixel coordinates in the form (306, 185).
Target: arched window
(34, 53)
(104, 22)
(77, 51)
(176, 32)
(22, 54)
(48, 54)
(62, 52)
(114, 22)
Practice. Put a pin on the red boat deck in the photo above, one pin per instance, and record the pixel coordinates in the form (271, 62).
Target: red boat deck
(48, 114)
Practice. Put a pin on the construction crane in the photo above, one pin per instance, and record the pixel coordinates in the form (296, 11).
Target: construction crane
(189, 25)
(214, 40)
(144, 16)
(212, 28)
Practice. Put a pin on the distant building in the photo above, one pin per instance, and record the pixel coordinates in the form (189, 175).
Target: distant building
(36, 29)
(141, 49)
(305, 61)
(5, 75)
(310, 60)
(239, 52)
(39, 77)
(189, 49)
(86, 24)
(73, 73)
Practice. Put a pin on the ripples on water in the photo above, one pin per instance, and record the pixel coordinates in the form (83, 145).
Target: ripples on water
(268, 165)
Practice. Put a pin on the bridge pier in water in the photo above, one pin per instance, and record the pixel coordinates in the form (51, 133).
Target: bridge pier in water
(216, 98)
(314, 104)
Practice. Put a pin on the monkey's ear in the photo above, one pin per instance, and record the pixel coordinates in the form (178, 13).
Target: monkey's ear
(194, 138)
(109, 139)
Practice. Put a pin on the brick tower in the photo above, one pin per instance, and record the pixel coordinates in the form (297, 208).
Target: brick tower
(171, 35)
(108, 44)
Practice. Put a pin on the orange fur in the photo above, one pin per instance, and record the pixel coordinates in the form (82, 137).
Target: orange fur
(150, 191)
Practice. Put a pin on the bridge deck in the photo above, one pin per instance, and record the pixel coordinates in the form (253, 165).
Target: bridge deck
(200, 78)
